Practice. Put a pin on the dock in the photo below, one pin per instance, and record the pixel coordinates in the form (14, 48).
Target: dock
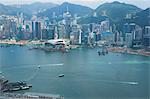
(29, 95)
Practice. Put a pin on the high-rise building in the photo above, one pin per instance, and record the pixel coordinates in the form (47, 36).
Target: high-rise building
(67, 20)
(44, 34)
(7, 29)
(75, 34)
(128, 28)
(128, 39)
(1, 31)
(85, 33)
(116, 37)
(51, 31)
(132, 27)
(61, 31)
(38, 32)
(137, 36)
(33, 30)
(146, 37)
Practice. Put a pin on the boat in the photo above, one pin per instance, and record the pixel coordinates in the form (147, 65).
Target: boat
(24, 87)
(99, 53)
(39, 66)
(30, 85)
(61, 75)
(14, 89)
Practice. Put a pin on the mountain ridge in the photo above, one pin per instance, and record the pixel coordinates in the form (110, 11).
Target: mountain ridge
(73, 9)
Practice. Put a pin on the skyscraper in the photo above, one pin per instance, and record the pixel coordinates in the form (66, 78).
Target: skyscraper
(146, 37)
(38, 30)
(128, 39)
(33, 30)
(67, 18)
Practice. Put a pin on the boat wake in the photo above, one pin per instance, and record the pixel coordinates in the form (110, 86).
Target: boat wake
(131, 83)
(52, 65)
(34, 65)
(121, 82)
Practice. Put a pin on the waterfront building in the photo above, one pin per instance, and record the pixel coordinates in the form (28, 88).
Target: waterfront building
(13, 28)
(38, 30)
(1, 31)
(33, 30)
(146, 37)
(116, 37)
(61, 31)
(44, 34)
(51, 31)
(67, 22)
(132, 27)
(85, 33)
(128, 28)
(107, 37)
(128, 39)
(56, 44)
(74, 36)
(137, 36)
(80, 36)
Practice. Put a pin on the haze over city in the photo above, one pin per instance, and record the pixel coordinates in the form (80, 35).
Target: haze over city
(90, 3)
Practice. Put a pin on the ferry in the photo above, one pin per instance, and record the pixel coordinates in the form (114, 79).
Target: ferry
(61, 75)
(24, 87)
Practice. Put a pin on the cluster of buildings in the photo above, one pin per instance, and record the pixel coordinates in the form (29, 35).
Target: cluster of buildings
(133, 36)
(17, 27)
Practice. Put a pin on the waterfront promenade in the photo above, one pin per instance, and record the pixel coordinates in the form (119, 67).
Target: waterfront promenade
(29, 96)
(129, 51)
(110, 49)
(21, 42)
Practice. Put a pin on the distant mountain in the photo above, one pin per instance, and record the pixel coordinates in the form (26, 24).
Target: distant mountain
(116, 10)
(8, 10)
(34, 8)
(27, 9)
(73, 9)
(142, 18)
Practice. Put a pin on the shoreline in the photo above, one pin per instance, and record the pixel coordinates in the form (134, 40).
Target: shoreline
(129, 51)
(110, 49)
(21, 42)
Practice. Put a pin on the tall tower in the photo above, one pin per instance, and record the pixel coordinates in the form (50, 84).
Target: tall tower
(67, 18)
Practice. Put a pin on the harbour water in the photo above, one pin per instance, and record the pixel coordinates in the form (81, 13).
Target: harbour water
(86, 74)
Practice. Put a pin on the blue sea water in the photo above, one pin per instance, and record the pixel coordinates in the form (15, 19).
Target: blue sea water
(87, 75)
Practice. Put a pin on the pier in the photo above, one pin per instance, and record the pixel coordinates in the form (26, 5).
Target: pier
(29, 96)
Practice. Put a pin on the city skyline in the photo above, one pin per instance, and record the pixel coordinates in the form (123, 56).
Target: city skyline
(90, 3)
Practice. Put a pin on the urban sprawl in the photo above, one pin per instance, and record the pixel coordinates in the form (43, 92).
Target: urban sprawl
(17, 28)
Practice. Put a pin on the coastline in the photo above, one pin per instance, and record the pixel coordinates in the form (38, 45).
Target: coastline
(110, 49)
(129, 51)
(21, 42)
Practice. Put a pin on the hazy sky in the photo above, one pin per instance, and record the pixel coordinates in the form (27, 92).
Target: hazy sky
(91, 3)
